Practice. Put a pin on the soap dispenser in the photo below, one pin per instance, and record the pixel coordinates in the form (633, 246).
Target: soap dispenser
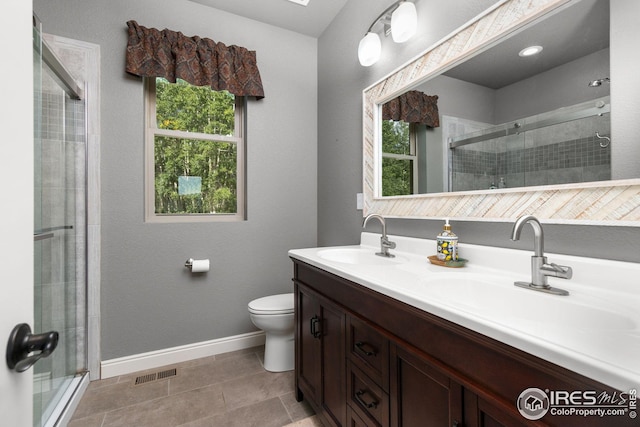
(447, 243)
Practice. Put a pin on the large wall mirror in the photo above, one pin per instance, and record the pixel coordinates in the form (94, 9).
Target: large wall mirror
(549, 134)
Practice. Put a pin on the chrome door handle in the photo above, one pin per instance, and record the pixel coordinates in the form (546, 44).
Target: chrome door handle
(24, 348)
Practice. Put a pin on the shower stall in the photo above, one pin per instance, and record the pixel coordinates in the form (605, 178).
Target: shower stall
(568, 145)
(60, 232)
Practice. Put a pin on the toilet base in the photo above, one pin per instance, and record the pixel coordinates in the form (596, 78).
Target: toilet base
(279, 352)
(275, 316)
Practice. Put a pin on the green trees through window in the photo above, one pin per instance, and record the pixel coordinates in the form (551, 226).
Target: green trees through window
(195, 147)
(397, 158)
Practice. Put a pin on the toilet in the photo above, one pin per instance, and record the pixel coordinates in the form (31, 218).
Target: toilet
(274, 315)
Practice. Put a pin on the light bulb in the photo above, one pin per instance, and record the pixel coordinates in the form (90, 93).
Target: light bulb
(369, 49)
(404, 22)
(530, 51)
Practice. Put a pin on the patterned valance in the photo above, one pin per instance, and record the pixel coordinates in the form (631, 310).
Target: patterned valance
(199, 61)
(413, 107)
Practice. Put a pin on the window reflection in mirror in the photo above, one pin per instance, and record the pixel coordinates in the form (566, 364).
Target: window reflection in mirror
(399, 165)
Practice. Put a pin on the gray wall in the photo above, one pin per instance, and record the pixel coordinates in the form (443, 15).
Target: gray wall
(340, 83)
(553, 89)
(461, 99)
(149, 300)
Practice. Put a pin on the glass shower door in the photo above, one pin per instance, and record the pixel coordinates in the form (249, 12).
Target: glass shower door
(59, 237)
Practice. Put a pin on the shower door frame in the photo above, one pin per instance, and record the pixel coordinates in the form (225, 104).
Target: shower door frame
(82, 60)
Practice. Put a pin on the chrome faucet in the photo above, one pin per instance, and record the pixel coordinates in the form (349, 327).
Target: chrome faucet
(540, 269)
(385, 243)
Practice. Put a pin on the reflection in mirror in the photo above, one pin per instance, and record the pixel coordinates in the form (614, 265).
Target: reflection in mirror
(559, 147)
(404, 122)
(507, 120)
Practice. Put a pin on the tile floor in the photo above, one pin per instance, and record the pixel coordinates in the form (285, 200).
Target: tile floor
(225, 390)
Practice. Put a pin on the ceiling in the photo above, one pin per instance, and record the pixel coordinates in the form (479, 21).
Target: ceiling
(310, 20)
(570, 34)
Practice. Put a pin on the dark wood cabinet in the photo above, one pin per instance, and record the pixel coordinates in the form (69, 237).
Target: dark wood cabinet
(320, 355)
(366, 359)
(423, 396)
(481, 413)
(366, 398)
(308, 345)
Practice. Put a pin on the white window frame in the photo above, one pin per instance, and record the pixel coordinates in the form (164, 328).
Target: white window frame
(412, 156)
(151, 130)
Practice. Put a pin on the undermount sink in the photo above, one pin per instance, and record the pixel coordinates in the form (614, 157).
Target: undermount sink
(496, 296)
(365, 256)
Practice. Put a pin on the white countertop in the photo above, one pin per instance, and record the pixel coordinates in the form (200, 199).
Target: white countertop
(594, 331)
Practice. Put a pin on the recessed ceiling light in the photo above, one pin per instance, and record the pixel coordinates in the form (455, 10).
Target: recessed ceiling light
(300, 2)
(531, 50)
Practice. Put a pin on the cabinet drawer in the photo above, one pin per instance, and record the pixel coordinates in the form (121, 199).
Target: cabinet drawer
(353, 420)
(366, 398)
(369, 350)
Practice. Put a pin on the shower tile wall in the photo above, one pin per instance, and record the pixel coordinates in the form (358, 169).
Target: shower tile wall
(550, 155)
(577, 160)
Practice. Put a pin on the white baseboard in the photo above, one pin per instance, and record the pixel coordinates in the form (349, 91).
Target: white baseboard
(154, 359)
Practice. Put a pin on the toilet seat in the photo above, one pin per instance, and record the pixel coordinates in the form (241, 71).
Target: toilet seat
(273, 304)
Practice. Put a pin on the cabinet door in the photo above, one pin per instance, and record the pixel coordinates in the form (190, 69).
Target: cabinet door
(333, 364)
(479, 412)
(320, 355)
(421, 394)
(308, 346)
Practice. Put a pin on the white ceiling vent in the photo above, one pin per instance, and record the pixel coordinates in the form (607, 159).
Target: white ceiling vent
(300, 2)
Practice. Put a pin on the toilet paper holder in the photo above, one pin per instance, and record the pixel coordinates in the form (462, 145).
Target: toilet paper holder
(197, 265)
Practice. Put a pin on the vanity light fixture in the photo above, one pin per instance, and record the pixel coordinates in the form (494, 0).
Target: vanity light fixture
(404, 22)
(369, 49)
(400, 19)
(530, 51)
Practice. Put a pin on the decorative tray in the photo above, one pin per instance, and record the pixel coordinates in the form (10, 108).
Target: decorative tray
(451, 264)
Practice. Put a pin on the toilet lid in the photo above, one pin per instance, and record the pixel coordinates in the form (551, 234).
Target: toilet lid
(273, 304)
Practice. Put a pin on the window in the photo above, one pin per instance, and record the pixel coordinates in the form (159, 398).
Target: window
(399, 158)
(195, 153)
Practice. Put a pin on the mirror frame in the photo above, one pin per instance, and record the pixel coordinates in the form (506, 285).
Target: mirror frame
(600, 203)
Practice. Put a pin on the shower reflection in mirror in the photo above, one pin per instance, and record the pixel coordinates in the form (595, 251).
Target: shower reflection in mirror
(567, 145)
(559, 147)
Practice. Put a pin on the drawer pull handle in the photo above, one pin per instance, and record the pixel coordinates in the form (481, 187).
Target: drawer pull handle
(360, 346)
(313, 325)
(372, 405)
(456, 424)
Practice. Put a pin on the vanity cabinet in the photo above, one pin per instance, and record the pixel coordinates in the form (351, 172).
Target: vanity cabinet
(376, 361)
(422, 394)
(427, 394)
(320, 355)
